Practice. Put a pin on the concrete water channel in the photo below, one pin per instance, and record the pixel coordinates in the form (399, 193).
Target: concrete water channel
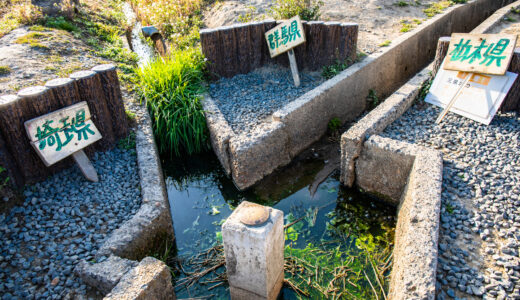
(201, 197)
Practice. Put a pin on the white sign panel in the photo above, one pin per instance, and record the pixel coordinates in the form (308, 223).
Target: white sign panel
(61, 133)
(479, 100)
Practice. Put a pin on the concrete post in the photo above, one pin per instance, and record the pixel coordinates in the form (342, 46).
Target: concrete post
(254, 252)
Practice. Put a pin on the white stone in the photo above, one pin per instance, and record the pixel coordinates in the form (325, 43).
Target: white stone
(254, 255)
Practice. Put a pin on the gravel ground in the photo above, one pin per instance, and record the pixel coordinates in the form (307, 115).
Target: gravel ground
(248, 99)
(63, 220)
(480, 216)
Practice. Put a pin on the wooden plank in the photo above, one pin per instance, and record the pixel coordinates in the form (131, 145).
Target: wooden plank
(285, 36)
(50, 155)
(55, 118)
(61, 133)
(480, 53)
(85, 166)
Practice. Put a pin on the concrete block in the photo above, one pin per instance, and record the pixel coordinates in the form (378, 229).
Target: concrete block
(383, 167)
(254, 255)
(375, 122)
(149, 280)
(417, 232)
(258, 153)
(104, 275)
(219, 130)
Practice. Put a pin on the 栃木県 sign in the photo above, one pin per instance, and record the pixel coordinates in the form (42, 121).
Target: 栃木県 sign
(480, 53)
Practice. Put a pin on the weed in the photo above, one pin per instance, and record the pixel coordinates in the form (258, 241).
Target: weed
(425, 89)
(127, 143)
(3, 182)
(18, 13)
(515, 10)
(173, 18)
(402, 3)
(248, 16)
(385, 43)
(372, 99)
(334, 125)
(4, 70)
(449, 208)
(172, 87)
(509, 19)
(437, 8)
(60, 23)
(286, 9)
(130, 116)
(37, 28)
(417, 21)
(330, 71)
(406, 26)
(33, 39)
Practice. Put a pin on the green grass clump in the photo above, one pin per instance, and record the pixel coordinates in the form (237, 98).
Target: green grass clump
(437, 8)
(172, 87)
(33, 39)
(385, 43)
(4, 70)
(330, 71)
(127, 143)
(286, 9)
(402, 3)
(60, 23)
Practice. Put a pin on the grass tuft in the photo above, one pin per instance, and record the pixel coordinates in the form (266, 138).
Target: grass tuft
(385, 43)
(172, 87)
(4, 70)
(286, 9)
(18, 13)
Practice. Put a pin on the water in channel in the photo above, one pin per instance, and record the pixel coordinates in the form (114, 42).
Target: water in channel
(344, 235)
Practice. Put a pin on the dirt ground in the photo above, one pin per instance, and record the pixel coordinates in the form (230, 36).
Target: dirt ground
(379, 20)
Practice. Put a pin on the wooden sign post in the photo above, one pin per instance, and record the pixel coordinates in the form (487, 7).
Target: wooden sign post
(477, 53)
(65, 132)
(283, 38)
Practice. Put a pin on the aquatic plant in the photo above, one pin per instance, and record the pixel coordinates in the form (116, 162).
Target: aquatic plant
(172, 88)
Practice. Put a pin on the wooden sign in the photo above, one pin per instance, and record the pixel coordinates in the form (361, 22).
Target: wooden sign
(479, 99)
(285, 36)
(480, 53)
(62, 133)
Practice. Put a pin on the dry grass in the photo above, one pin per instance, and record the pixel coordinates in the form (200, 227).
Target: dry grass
(14, 13)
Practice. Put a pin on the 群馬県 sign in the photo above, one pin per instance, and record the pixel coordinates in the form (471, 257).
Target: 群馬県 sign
(480, 53)
(61, 133)
(285, 36)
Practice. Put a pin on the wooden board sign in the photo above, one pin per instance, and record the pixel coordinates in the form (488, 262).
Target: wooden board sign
(480, 53)
(62, 133)
(285, 36)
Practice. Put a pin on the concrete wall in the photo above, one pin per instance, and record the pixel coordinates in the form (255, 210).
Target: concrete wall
(249, 157)
(411, 177)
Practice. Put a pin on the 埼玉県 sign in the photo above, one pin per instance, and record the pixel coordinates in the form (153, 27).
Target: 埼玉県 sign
(285, 36)
(480, 53)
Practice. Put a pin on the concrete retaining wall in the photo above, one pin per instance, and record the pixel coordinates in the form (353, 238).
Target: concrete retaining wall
(120, 275)
(411, 176)
(249, 157)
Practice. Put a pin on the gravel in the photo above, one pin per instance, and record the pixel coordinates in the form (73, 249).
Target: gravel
(248, 99)
(63, 220)
(480, 215)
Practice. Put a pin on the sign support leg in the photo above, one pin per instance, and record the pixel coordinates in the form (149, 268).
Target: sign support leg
(85, 166)
(294, 67)
(452, 101)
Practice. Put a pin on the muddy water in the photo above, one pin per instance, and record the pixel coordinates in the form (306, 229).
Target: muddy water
(202, 197)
